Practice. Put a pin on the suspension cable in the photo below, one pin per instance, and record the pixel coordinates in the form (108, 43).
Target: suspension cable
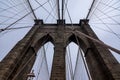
(6, 5)
(90, 9)
(76, 63)
(46, 59)
(58, 9)
(108, 27)
(17, 14)
(31, 9)
(96, 19)
(79, 47)
(108, 2)
(70, 62)
(108, 16)
(37, 78)
(11, 7)
(23, 17)
(98, 41)
(63, 3)
(44, 8)
(104, 30)
(28, 9)
(50, 13)
(88, 74)
(16, 28)
(92, 12)
(108, 7)
(52, 7)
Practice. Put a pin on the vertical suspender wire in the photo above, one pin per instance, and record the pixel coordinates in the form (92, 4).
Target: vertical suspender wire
(70, 62)
(63, 1)
(76, 64)
(88, 74)
(58, 9)
(78, 44)
(37, 78)
(69, 66)
(42, 58)
(46, 60)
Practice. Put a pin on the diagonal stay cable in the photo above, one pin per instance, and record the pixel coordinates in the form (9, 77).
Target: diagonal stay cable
(15, 15)
(50, 3)
(91, 7)
(11, 7)
(31, 9)
(106, 23)
(66, 4)
(12, 4)
(44, 8)
(108, 3)
(108, 27)
(103, 29)
(9, 11)
(108, 16)
(7, 5)
(98, 41)
(96, 19)
(81, 53)
(16, 28)
(23, 16)
(8, 17)
(94, 9)
(27, 9)
(50, 12)
(109, 6)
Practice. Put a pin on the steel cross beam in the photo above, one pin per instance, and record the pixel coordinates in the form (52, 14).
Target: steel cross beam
(31, 9)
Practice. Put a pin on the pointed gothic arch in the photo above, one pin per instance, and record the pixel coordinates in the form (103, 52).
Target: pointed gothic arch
(40, 41)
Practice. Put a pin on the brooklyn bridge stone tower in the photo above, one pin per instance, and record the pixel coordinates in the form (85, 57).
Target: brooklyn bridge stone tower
(19, 61)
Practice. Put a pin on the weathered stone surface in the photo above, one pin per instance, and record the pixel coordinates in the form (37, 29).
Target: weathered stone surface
(101, 63)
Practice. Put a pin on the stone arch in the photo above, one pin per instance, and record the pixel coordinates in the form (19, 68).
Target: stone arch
(41, 41)
(79, 40)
